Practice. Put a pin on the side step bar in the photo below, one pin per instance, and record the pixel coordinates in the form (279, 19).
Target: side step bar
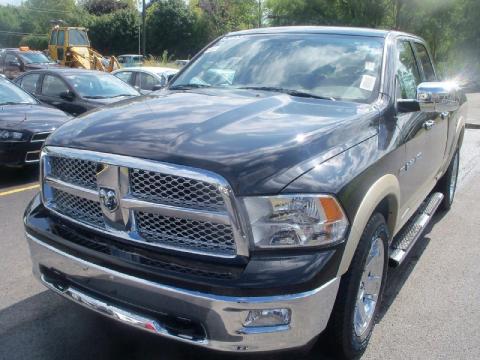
(411, 232)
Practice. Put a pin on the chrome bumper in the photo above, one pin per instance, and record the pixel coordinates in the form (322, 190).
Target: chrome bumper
(221, 317)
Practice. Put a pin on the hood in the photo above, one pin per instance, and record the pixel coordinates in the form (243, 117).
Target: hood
(31, 118)
(258, 141)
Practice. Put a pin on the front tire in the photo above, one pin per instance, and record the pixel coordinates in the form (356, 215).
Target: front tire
(359, 297)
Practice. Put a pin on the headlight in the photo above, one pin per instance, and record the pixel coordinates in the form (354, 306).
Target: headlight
(295, 220)
(8, 135)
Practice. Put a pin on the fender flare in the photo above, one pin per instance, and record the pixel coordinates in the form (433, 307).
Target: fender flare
(386, 187)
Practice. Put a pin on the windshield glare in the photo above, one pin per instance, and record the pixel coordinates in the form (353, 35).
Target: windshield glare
(333, 66)
(100, 85)
(35, 58)
(10, 93)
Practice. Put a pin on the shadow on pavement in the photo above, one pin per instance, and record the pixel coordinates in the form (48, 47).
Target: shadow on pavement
(398, 276)
(12, 177)
(46, 326)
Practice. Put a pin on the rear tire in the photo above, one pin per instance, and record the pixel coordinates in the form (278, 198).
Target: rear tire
(448, 183)
(353, 319)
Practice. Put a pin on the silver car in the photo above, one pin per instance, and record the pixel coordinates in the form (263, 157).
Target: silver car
(146, 79)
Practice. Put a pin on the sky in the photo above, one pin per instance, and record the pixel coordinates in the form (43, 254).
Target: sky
(10, 2)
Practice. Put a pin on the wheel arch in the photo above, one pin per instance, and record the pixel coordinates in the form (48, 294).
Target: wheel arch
(382, 196)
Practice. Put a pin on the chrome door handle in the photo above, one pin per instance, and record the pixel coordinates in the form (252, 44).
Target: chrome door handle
(429, 124)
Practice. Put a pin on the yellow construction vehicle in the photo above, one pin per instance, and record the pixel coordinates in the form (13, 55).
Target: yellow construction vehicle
(70, 46)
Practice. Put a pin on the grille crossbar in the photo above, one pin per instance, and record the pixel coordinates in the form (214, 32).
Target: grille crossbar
(159, 207)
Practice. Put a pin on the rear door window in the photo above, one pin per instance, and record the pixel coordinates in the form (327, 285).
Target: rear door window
(29, 83)
(53, 86)
(425, 62)
(146, 81)
(408, 75)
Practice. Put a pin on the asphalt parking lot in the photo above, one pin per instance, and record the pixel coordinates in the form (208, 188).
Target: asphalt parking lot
(431, 308)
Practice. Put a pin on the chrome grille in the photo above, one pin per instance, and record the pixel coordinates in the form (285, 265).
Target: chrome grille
(78, 208)
(185, 233)
(161, 205)
(74, 171)
(171, 189)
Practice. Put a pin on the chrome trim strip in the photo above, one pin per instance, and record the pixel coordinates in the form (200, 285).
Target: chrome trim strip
(122, 315)
(262, 329)
(138, 163)
(126, 227)
(72, 189)
(32, 161)
(174, 211)
(33, 140)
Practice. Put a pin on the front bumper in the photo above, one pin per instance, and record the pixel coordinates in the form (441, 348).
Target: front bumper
(215, 321)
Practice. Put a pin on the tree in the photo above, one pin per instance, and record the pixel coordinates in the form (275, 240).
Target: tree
(170, 26)
(102, 7)
(115, 33)
(223, 16)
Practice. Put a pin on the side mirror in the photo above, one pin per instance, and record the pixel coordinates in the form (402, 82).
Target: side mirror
(67, 95)
(157, 87)
(438, 97)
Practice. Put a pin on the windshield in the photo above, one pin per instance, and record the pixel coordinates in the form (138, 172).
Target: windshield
(330, 66)
(99, 86)
(34, 58)
(77, 38)
(12, 94)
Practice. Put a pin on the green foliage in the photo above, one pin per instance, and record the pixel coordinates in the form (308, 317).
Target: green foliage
(102, 7)
(222, 16)
(35, 42)
(114, 33)
(170, 26)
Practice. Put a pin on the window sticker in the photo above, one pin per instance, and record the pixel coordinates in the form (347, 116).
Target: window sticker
(368, 82)
(370, 66)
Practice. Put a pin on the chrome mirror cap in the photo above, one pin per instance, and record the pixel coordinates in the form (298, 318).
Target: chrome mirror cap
(438, 96)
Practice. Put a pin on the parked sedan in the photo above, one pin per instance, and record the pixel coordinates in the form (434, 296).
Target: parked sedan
(75, 90)
(146, 79)
(24, 125)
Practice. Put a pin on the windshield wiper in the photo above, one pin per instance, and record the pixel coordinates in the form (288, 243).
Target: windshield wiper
(13, 103)
(188, 86)
(95, 97)
(121, 95)
(288, 91)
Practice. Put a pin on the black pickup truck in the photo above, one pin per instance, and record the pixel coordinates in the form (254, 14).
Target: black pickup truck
(258, 200)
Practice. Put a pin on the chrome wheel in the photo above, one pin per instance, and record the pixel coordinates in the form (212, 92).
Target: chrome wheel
(369, 289)
(453, 179)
